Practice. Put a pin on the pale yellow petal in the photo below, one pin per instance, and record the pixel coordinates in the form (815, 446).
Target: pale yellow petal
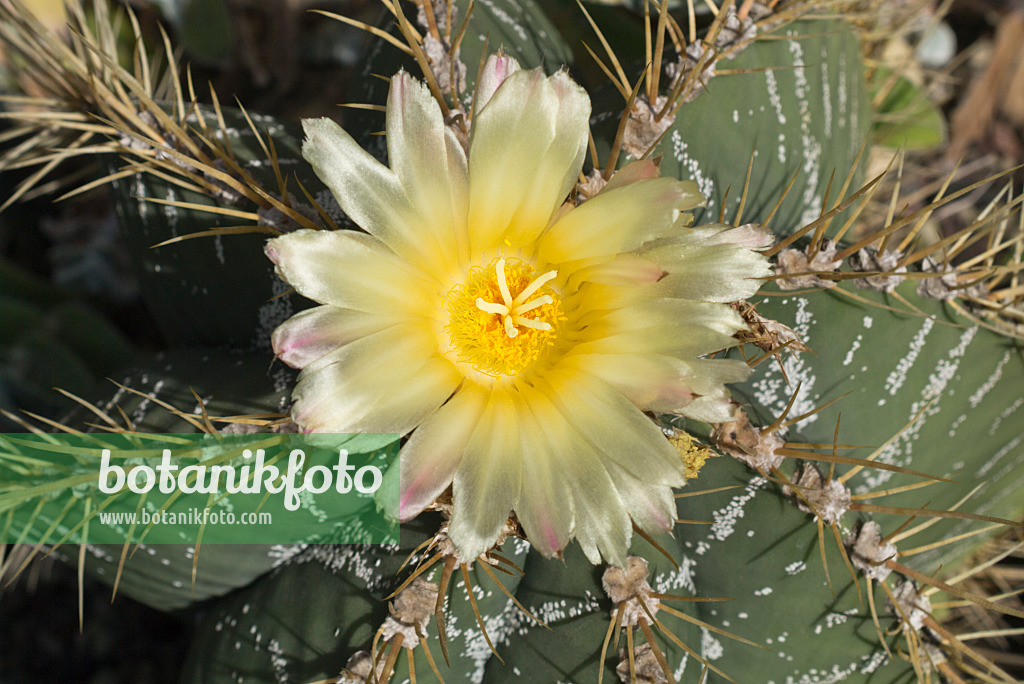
(430, 457)
(526, 152)
(711, 273)
(607, 420)
(487, 481)
(707, 378)
(313, 333)
(368, 192)
(351, 270)
(750, 235)
(648, 381)
(430, 166)
(620, 220)
(677, 327)
(385, 382)
(622, 269)
(546, 508)
(602, 525)
(652, 507)
(705, 375)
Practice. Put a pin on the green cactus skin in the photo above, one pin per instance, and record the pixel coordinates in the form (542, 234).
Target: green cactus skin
(804, 110)
(219, 290)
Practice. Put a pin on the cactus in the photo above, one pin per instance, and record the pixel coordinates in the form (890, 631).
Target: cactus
(872, 448)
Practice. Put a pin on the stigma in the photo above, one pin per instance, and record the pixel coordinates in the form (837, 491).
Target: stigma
(513, 308)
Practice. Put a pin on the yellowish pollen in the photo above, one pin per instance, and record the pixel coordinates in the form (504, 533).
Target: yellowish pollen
(503, 317)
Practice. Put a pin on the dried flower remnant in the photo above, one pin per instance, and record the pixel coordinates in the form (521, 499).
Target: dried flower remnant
(756, 447)
(912, 605)
(828, 501)
(886, 264)
(630, 592)
(803, 268)
(645, 668)
(517, 336)
(868, 551)
(765, 333)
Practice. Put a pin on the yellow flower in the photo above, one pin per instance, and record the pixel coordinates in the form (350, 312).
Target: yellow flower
(518, 338)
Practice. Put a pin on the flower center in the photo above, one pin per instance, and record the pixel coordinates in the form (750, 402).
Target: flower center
(503, 317)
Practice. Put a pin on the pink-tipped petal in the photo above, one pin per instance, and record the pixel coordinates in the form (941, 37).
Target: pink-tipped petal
(312, 334)
(497, 68)
(430, 457)
(487, 481)
(643, 169)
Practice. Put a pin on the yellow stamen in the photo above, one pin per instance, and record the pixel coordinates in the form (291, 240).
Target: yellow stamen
(487, 327)
(539, 301)
(529, 323)
(491, 308)
(499, 268)
(534, 286)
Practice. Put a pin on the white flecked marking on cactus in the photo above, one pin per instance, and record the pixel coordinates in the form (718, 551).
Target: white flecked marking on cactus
(796, 567)
(348, 559)
(725, 518)
(833, 675)
(278, 661)
(706, 185)
(121, 390)
(810, 146)
(956, 424)
(218, 245)
(900, 452)
(1009, 467)
(826, 91)
(670, 582)
(710, 647)
(139, 192)
(330, 205)
(853, 348)
(503, 16)
(773, 95)
(1007, 412)
(171, 212)
(868, 321)
(898, 376)
(987, 386)
(833, 619)
(273, 313)
(772, 390)
(763, 592)
(877, 659)
(999, 455)
(140, 412)
(514, 622)
(678, 672)
(735, 116)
